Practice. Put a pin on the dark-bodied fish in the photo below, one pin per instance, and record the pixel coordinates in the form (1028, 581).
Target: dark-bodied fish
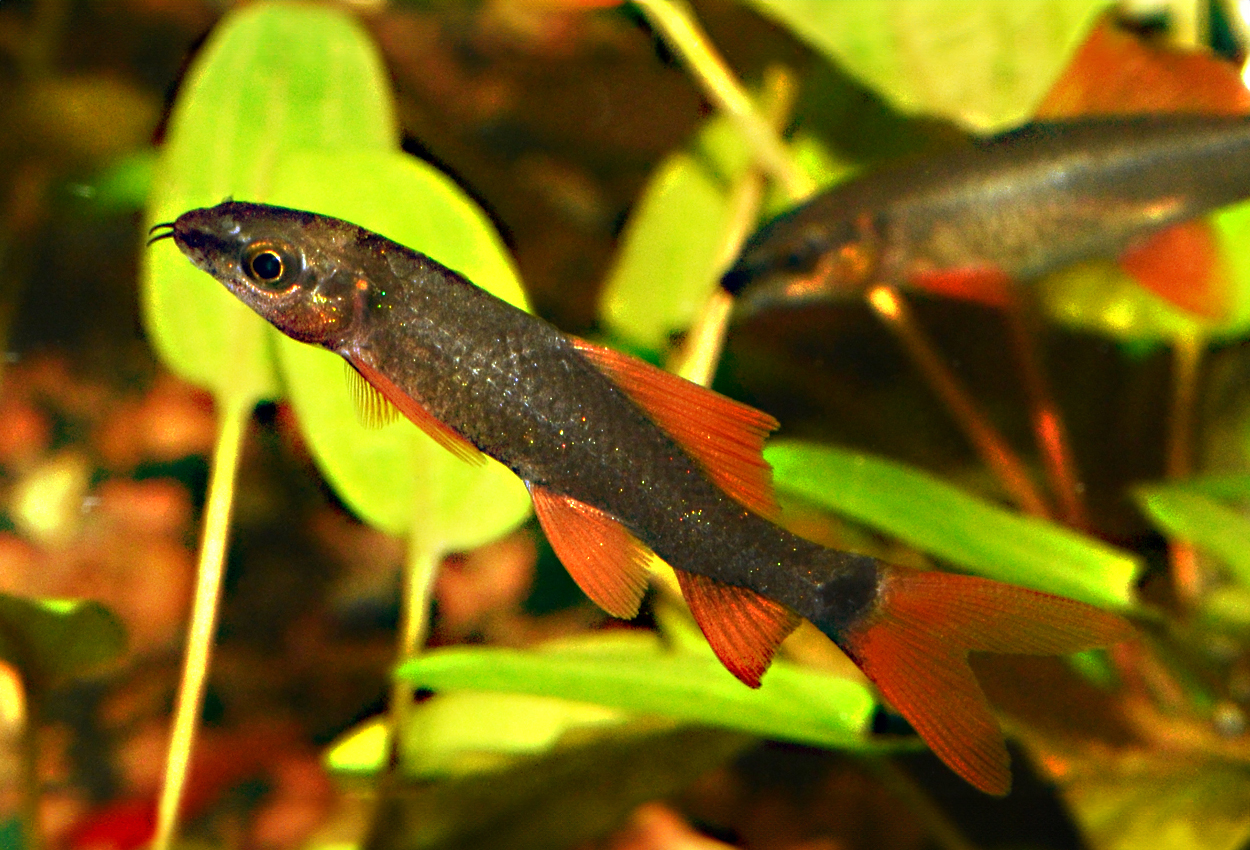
(1013, 208)
(623, 459)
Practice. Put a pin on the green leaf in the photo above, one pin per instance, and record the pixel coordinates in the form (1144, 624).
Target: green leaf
(1100, 297)
(123, 186)
(1199, 519)
(1162, 802)
(468, 731)
(272, 79)
(671, 251)
(634, 672)
(576, 791)
(950, 524)
(396, 478)
(984, 63)
(51, 639)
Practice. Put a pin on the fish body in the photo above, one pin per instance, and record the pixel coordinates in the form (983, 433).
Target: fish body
(1015, 207)
(624, 460)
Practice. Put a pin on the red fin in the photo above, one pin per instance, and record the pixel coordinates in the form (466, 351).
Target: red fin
(1116, 73)
(1182, 265)
(608, 563)
(743, 628)
(372, 408)
(411, 408)
(988, 286)
(914, 647)
(725, 437)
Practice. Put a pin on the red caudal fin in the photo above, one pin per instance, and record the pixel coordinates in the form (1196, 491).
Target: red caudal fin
(914, 647)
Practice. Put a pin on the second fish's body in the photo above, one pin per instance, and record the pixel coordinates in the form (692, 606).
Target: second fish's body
(1015, 207)
(624, 460)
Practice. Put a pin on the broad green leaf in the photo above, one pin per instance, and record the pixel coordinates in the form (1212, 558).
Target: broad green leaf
(50, 639)
(950, 524)
(576, 791)
(1232, 229)
(396, 476)
(1162, 802)
(123, 186)
(468, 731)
(984, 63)
(1199, 519)
(1100, 297)
(671, 251)
(634, 672)
(272, 79)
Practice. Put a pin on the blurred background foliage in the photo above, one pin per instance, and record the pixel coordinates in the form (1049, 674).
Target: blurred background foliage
(577, 135)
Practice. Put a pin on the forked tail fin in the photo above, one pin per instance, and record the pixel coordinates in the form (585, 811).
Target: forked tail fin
(914, 646)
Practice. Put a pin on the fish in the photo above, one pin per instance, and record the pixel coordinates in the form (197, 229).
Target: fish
(625, 462)
(1013, 208)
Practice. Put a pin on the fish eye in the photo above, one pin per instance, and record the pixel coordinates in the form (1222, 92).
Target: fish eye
(269, 266)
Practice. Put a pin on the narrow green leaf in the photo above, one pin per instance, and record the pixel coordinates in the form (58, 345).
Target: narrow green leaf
(272, 79)
(397, 477)
(1199, 519)
(50, 639)
(950, 524)
(985, 63)
(634, 672)
(467, 731)
(560, 798)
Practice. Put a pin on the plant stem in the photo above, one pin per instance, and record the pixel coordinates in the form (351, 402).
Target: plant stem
(683, 35)
(204, 608)
(1187, 351)
(989, 444)
(701, 352)
(418, 586)
(1048, 425)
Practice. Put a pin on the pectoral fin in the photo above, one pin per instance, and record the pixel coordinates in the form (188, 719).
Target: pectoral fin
(372, 408)
(442, 434)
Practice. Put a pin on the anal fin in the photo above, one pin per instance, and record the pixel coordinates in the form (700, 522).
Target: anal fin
(743, 628)
(725, 437)
(1182, 265)
(608, 563)
(438, 431)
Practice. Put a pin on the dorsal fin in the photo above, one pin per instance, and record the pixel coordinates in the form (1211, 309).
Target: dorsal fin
(725, 437)
(608, 563)
(416, 413)
(372, 408)
(743, 628)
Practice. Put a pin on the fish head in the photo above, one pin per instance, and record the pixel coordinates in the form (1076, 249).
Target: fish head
(804, 259)
(285, 264)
